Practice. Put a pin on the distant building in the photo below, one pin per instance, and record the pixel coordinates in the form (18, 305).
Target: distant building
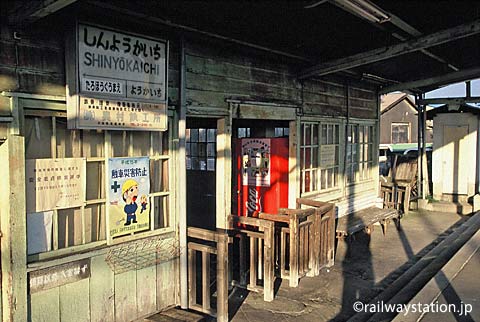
(455, 158)
(399, 120)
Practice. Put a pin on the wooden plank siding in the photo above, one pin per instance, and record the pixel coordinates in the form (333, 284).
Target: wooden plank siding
(75, 302)
(213, 76)
(106, 296)
(102, 290)
(45, 305)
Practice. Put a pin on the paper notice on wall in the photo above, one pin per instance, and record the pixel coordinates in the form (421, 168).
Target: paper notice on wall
(327, 156)
(39, 232)
(55, 183)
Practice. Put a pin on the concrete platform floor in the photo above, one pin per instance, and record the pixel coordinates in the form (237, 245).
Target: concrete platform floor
(463, 291)
(362, 269)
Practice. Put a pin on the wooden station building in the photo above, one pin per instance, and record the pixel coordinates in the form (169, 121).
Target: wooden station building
(124, 123)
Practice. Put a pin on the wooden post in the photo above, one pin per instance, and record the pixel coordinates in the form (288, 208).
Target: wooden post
(13, 244)
(293, 250)
(260, 259)
(224, 171)
(243, 259)
(222, 278)
(293, 156)
(331, 237)
(181, 177)
(426, 179)
(269, 274)
(253, 261)
(206, 280)
(192, 278)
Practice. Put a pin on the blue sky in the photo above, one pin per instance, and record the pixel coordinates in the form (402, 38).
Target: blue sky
(454, 90)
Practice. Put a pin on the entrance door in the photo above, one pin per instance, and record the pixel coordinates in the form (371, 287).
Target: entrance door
(454, 160)
(201, 165)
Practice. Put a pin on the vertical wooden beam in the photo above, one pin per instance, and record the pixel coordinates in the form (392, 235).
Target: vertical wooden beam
(293, 166)
(223, 171)
(243, 258)
(283, 251)
(206, 281)
(14, 128)
(181, 177)
(13, 244)
(107, 154)
(301, 258)
(253, 261)
(293, 276)
(331, 237)
(426, 188)
(419, 151)
(269, 267)
(260, 259)
(222, 278)
(192, 277)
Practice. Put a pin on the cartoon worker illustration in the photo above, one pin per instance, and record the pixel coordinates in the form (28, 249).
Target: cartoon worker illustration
(130, 195)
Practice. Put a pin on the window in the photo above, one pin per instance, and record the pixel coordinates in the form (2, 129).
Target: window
(319, 156)
(47, 137)
(243, 132)
(400, 133)
(359, 152)
(281, 132)
(201, 149)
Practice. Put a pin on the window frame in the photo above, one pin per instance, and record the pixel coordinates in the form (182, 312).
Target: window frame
(162, 156)
(317, 171)
(362, 168)
(394, 124)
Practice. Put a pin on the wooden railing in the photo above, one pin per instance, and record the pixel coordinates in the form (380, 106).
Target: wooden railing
(325, 213)
(306, 235)
(260, 235)
(209, 243)
(311, 238)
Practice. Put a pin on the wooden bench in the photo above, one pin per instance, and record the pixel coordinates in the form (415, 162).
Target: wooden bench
(364, 220)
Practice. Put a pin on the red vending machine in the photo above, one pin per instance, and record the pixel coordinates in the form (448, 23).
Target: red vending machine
(262, 175)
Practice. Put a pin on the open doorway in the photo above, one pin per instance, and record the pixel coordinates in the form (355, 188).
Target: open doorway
(201, 144)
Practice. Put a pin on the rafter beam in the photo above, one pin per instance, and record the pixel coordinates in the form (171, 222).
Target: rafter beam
(435, 82)
(38, 9)
(449, 100)
(383, 53)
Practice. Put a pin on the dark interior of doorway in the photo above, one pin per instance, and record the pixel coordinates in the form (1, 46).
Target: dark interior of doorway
(201, 151)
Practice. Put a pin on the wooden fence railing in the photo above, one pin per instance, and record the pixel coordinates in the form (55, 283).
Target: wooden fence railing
(309, 236)
(260, 236)
(325, 213)
(304, 243)
(209, 243)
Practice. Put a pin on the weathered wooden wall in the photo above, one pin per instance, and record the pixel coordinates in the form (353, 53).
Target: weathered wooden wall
(217, 72)
(35, 63)
(107, 296)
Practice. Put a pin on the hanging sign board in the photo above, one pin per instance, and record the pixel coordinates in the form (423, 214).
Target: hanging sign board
(256, 162)
(128, 189)
(120, 81)
(55, 183)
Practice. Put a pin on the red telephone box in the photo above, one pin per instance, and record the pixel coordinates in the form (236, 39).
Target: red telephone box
(262, 175)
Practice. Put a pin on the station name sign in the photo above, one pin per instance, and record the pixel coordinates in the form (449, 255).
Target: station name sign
(120, 81)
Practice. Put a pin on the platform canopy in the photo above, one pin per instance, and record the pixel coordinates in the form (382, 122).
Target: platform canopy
(414, 46)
